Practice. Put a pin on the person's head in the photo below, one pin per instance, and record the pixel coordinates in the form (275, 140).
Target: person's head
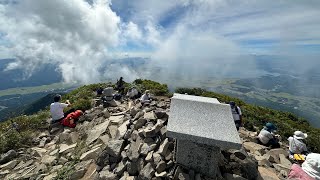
(300, 135)
(57, 98)
(232, 103)
(270, 127)
(121, 78)
(312, 165)
(147, 92)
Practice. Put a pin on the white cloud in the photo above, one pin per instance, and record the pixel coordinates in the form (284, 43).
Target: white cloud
(186, 36)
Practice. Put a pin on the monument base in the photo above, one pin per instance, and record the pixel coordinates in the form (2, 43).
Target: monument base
(199, 157)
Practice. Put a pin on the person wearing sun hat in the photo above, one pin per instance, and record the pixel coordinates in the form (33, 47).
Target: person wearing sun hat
(296, 144)
(310, 169)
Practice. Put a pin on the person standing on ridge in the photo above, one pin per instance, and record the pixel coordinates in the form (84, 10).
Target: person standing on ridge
(237, 114)
(120, 86)
(267, 137)
(296, 144)
(57, 108)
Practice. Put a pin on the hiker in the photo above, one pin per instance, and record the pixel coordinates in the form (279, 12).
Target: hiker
(266, 136)
(99, 91)
(70, 120)
(120, 86)
(133, 93)
(56, 109)
(236, 113)
(145, 98)
(296, 144)
(310, 169)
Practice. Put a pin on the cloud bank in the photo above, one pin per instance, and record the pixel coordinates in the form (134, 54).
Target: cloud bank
(188, 38)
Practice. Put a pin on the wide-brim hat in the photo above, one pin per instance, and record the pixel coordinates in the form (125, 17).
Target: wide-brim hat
(300, 135)
(312, 165)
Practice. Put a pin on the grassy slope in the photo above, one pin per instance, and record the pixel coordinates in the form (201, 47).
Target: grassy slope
(81, 98)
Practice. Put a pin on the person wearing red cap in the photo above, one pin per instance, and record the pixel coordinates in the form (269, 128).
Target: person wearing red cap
(70, 120)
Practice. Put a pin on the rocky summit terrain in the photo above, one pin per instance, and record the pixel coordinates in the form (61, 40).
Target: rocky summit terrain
(129, 142)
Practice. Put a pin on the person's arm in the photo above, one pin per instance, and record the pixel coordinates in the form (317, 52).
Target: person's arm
(68, 103)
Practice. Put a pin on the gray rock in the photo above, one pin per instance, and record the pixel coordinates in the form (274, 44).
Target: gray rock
(120, 168)
(139, 123)
(92, 154)
(161, 175)
(254, 147)
(274, 153)
(8, 156)
(149, 157)
(43, 142)
(107, 175)
(161, 166)
(164, 147)
(48, 160)
(150, 115)
(96, 131)
(144, 149)
(9, 165)
(133, 152)
(156, 157)
(147, 172)
(138, 115)
(115, 147)
(284, 161)
(149, 132)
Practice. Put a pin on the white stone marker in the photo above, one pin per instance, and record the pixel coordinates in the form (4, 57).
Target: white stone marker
(202, 126)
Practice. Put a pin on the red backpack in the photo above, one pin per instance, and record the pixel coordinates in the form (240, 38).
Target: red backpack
(74, 115)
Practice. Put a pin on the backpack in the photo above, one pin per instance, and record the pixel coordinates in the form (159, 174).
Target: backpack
(235, 110)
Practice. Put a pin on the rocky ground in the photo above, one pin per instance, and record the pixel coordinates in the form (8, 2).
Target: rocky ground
(129, 142)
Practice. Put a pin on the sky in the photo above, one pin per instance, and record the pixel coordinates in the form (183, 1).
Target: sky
(191, 37)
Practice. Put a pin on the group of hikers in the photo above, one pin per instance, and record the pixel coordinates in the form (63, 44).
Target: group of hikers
(107, 95)
(306, 166)
(298, 152)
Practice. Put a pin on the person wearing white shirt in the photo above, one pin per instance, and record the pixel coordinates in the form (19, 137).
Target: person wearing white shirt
(266, 136)
(56, 109)
(145, 98)
(296, 144)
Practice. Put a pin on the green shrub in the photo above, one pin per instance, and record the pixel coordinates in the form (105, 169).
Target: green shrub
(154, 87)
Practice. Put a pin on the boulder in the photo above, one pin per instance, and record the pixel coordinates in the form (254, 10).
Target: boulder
(48, 160)
(116, 120)
(139, 123)
(266, 174)
(122, 129)
(133, 152)
(164, 147)
(96, 132)
(253, 147)
(284, 161)
(147, 172)
(150, 115)
(120, 168)
(92, 154)
(107, 175)
(64, 148)
(42, 142)
(115, 147)
(8, 156)
(274, 153)
(161, 166)
(9, 165)
(144, 149)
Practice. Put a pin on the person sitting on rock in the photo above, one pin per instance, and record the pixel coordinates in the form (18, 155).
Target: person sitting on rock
(296, 144)
(56, 109)
(70, 120)
(266, 136)
(236, 113)
(310, 169)
(145, 98)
